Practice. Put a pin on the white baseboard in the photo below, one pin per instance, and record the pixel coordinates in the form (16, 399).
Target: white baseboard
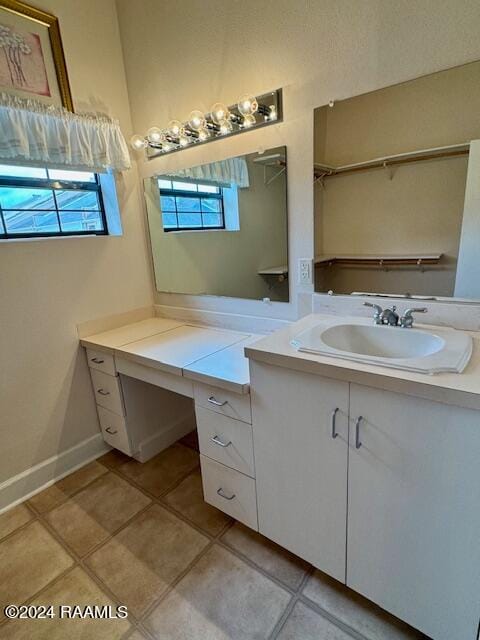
(33, 480)
(160, 441)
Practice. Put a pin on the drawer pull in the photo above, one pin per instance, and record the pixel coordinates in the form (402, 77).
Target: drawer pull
(212, 400)
(97, 360)
(217, 440)
(102, 392)
(222, 494)
(358, 444)
(109, 430)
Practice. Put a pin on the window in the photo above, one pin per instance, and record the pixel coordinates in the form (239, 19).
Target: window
(188, 206)
(36, 202)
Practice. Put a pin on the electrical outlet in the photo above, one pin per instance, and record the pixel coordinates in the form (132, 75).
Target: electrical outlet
(305, 271)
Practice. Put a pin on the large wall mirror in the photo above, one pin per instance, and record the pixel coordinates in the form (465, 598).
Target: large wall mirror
(397, 189)
(221, 228)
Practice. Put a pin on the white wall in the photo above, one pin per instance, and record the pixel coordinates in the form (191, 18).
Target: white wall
(186, 54)
(48, 286)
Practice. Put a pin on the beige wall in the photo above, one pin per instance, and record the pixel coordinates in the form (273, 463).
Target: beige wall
(48, 286)
(185, 54)
(420, 209)
(226, 262)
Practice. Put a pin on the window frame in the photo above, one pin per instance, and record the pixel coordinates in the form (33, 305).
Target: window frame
(54, 185)
(184, 193)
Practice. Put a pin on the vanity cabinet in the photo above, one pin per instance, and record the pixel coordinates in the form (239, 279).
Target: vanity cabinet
(409, 538)
(300, 432)
(414, 510)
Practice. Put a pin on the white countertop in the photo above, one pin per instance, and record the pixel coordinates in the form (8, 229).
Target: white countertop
(229, 364)
(461, 389)
(109, 340)
(205, 354)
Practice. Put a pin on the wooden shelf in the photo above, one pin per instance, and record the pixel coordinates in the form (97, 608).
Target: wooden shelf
(378, 261)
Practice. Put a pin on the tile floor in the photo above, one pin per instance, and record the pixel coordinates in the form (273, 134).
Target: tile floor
(118, 532)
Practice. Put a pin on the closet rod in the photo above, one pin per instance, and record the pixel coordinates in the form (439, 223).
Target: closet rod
(390, 161)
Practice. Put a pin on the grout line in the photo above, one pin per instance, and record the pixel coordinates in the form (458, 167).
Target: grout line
(331, 618)
(174, 582)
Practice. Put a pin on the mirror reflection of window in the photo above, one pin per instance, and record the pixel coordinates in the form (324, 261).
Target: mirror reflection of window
(221, 228)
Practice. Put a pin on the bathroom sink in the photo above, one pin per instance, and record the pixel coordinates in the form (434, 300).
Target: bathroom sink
(421, 350)
(381, 341)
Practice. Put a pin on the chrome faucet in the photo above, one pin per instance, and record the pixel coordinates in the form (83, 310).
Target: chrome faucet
(389, 317)
(406, 321)
(383, 316)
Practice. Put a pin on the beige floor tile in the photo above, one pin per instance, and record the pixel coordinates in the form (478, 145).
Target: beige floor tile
(29, 560)
(278, 562)
(75, 588)
(136, 635)
(94, 513)
(113, 459)
(164, 470)
(13, 519)
(305, 624)
(141, 561)
(188, 500)
(220, 598)
(63, 489)
(355, 611)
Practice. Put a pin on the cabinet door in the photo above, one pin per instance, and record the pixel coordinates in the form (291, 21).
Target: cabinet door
(414, 511)
(301, 470)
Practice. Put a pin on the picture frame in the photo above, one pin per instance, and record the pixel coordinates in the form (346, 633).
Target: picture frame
(32, 61)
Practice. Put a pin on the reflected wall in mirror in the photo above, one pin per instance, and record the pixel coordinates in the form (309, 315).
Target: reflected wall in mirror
(397, 196)
(221, 228)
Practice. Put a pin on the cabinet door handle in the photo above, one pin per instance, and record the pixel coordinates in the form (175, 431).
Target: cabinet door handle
(358, 444)
(97, 360)
(212, 400)
(108, 430)
(222, 494)
(217, 440)
(102, 392)
(334, 420)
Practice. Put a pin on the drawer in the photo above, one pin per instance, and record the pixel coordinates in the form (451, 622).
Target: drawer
(101, 361)
(225, 440)
(108, 393)
(114, 430)
(230, 491)
(233, 405)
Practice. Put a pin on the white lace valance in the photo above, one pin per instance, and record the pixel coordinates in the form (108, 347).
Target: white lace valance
(231, 171)
(32, 133)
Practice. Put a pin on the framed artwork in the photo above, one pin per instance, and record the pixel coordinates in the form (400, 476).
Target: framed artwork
(32, 64)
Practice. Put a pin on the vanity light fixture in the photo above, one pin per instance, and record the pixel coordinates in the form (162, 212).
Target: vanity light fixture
(250, 112)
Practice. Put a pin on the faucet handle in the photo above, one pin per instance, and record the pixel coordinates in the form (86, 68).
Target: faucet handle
(378, 311)
(406, 320)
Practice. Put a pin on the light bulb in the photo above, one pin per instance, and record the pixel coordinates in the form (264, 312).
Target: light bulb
(154, 134)
(167, 146)
(175, 126)
(196, 120)
(226, 127)
(203, 134)
(273, 112)
(138, 142)
(183, 140)
(249, 120)
(220, 113)
(247, 105)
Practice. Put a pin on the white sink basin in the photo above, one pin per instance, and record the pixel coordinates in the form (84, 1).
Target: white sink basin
(422, 350)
